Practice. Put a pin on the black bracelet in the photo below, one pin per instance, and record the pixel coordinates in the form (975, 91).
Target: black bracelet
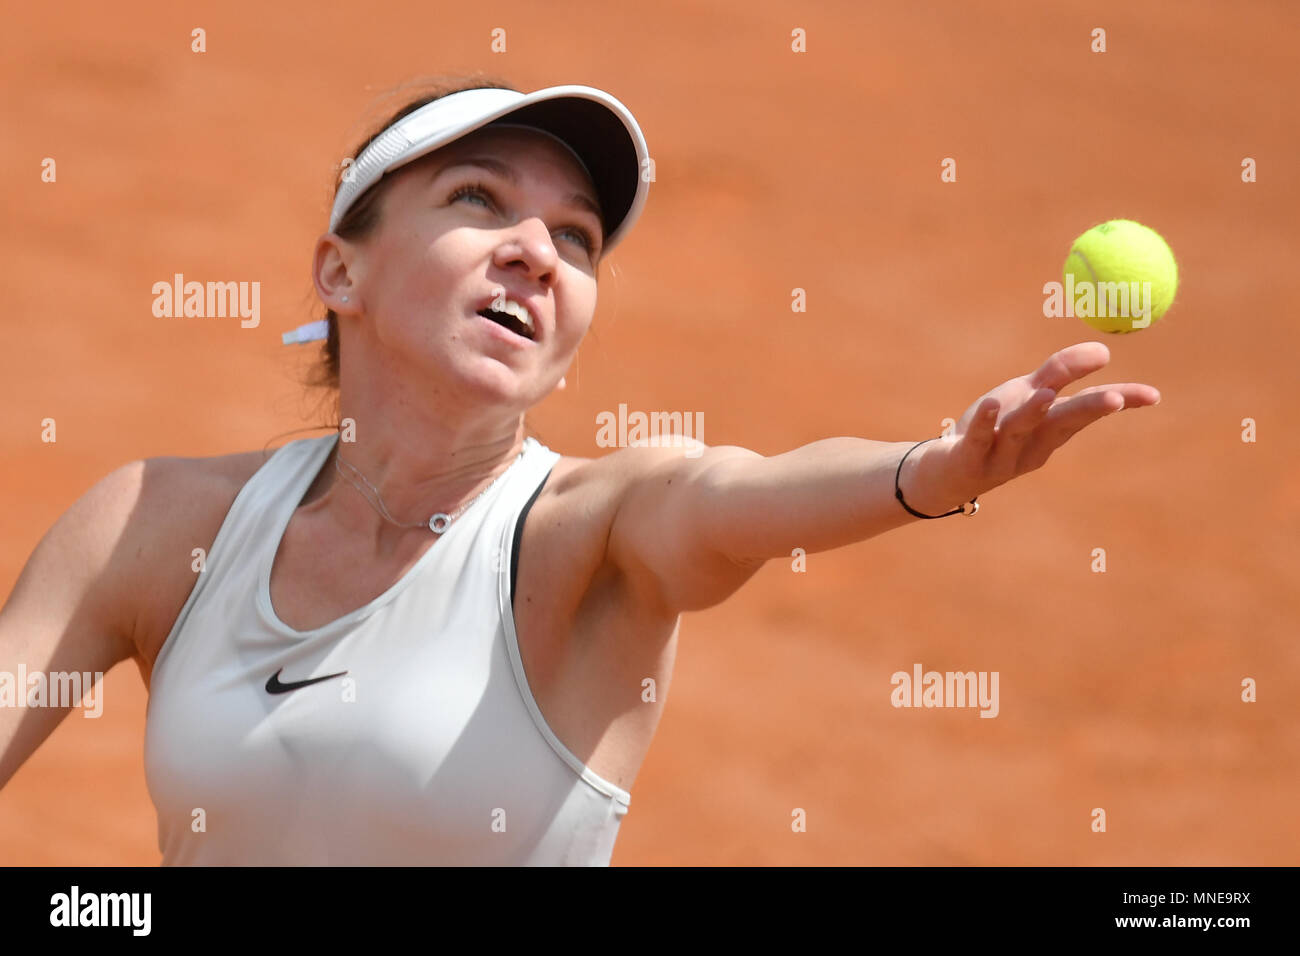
(898, 492)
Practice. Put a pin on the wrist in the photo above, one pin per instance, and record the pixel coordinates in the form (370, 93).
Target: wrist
(922, 482)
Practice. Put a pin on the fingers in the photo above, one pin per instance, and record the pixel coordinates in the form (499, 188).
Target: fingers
(1021, 421)
(1134, 394)
(1081, 410)
(1069, 365)
(1078, 411)
(1024, 437)
(983, 424)
(971, 452)
(1017, 427)
(1070, 416)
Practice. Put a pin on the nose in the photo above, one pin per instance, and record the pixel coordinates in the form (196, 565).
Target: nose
(527, 247)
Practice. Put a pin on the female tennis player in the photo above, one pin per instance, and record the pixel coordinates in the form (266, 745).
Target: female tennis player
(427, 638)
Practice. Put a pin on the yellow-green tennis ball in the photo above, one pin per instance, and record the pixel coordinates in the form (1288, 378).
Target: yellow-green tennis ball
(1121, 276)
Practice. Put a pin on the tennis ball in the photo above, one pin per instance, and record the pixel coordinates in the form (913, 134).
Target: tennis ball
(1120, 276)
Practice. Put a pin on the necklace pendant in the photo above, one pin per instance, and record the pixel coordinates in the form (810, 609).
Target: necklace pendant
(439, 522)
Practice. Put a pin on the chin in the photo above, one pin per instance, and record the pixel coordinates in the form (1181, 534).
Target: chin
(491, 381)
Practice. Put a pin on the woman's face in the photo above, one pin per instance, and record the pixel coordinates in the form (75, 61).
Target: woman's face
(501, 215)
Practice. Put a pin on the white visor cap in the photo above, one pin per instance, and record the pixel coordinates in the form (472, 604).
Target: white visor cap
(599, 130)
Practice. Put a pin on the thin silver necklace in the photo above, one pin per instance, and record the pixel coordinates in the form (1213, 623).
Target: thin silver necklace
(439, 522)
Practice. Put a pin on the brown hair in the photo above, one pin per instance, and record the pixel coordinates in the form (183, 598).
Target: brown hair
(362, 216)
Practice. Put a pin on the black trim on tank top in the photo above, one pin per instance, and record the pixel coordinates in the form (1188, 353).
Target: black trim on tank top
(519, 534)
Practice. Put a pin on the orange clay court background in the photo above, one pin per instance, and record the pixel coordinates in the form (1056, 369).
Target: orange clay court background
(775, 170)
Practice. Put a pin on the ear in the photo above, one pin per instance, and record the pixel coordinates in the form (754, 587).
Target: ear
(333, 265)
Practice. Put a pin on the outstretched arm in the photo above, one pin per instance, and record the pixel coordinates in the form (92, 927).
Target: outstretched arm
(697, 528)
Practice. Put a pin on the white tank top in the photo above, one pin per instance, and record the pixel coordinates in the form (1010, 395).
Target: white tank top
(418, 742)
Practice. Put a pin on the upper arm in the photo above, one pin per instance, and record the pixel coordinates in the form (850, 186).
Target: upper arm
(69, 611)
(665, 529)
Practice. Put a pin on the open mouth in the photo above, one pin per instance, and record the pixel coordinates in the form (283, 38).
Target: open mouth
(508, 321)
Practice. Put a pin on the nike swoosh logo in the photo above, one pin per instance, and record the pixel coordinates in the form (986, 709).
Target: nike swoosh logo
(273, 685)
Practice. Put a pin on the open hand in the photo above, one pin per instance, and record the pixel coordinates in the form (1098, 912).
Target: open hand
(1014, 428)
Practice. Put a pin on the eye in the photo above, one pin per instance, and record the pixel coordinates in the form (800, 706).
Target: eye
(479, 194)
(581, 236)
(474, 191)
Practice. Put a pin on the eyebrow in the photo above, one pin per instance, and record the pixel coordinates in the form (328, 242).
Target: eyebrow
(508, 173)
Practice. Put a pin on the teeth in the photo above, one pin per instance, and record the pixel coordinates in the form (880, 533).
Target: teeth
(519, 312)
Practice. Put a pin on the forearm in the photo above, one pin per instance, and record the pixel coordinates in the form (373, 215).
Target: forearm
(820, 496)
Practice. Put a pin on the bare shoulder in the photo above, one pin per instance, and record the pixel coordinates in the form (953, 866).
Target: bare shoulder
(569, 525)
(101, 580)
(620, 471)
(179, 505)
(594, 487)
(590, 507)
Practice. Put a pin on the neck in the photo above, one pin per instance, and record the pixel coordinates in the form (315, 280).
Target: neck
(449, 465)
